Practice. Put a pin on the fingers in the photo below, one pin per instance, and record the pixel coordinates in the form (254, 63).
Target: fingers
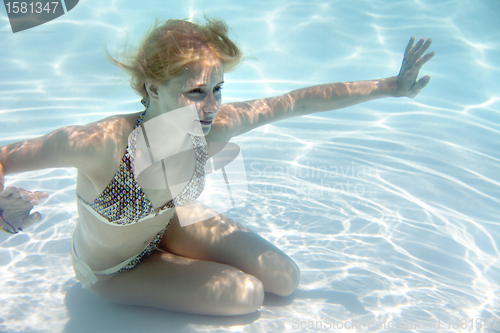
(422, 47)
(414, 52)
(420, 62)
(36, 196)
(409, 57)
(33, 197)
(415, 48)
(19, 192)
(417, 87)
(41, 195)
(30, 220)
(408, 47)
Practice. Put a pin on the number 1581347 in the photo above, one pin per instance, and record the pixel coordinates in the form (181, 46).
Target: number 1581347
(23, 7)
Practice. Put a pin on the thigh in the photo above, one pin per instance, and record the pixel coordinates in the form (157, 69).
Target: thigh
(171, 282)
(223, 240)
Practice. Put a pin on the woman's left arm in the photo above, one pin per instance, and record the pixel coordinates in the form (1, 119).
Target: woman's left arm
(237, 118)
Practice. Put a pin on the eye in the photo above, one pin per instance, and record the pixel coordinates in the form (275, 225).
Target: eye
(196, 91)
(218, 89)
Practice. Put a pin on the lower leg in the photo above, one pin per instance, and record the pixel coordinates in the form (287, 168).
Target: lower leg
(170, 282)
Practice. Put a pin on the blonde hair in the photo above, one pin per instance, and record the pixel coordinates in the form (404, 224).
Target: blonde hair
(168, 47)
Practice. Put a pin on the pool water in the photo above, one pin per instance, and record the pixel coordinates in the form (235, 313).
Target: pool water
(390, 208)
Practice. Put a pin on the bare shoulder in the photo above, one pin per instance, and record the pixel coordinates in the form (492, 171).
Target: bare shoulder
(108, 133)
(102, 143)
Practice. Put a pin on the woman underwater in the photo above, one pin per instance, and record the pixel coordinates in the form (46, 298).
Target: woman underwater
(129, 245)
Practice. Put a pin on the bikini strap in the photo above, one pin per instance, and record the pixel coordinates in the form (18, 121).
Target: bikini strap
(140, 119)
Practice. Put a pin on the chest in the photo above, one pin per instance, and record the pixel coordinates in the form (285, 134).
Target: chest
(166, 179)
(177, 175)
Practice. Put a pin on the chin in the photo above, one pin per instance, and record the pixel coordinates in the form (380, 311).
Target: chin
(205, 131)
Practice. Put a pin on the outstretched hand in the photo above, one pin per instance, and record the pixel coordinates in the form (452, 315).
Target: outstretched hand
(16, 205)
(407, 84)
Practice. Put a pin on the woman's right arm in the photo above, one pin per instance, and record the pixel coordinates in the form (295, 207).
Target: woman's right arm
(87, 148)
(60, 148)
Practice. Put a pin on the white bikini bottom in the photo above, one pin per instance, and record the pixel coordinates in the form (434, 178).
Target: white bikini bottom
(87, 276)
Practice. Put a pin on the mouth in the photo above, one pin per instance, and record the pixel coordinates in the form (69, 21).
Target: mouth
(206, 122)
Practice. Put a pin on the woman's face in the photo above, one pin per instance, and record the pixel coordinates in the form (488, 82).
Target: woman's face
(198, 86)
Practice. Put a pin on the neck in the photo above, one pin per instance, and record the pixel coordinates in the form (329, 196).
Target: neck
(178, 139)
(152, 111)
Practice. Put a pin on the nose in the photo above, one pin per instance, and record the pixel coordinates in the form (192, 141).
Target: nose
(211, 104)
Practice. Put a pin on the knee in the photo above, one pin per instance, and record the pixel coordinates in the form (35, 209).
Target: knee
(236, 294)
(293, 278)
(281, 275)
(252, 295)
(288, 281)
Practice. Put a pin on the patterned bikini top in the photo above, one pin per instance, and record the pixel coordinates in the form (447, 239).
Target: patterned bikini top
(123, 201)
